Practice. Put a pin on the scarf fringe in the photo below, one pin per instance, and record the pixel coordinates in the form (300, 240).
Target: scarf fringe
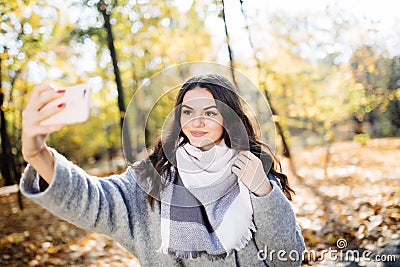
(211, 257)
(185, 255)
(246, 238)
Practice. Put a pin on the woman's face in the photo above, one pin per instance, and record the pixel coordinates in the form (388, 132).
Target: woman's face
(201, 121)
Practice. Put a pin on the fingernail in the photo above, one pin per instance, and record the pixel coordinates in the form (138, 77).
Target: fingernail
(61, 91)
(61, 105)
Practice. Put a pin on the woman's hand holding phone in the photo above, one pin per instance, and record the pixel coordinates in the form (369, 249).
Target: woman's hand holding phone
(46, 113)
(42, 105)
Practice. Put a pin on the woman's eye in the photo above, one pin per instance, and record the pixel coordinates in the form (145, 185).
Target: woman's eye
(187, 112)
(210, 113)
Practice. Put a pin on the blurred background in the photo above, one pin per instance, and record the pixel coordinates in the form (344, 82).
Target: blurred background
(329, 69)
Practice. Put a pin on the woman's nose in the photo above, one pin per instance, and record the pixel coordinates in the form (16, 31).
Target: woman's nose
(198, 121)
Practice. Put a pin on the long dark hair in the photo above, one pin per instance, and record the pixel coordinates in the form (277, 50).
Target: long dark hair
(162, 162)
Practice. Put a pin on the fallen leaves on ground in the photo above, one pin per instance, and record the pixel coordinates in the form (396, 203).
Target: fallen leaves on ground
(356, 198)
(34, 237)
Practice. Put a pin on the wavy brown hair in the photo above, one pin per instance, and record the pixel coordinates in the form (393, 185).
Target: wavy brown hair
(238, 134)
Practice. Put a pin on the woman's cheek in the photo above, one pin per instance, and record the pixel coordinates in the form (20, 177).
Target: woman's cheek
(216, 126)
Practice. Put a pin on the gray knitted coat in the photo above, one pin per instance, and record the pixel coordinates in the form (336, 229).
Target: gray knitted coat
(117, 207)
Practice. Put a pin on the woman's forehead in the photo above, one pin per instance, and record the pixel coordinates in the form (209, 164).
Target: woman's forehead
(198, 97)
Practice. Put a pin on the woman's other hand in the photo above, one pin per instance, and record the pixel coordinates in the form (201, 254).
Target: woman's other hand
(43, 103)
(250, 171)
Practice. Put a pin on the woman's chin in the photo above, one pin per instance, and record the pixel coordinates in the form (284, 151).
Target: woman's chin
(203, 145)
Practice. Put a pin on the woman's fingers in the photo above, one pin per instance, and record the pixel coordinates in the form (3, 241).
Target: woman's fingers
(34, 117)
(248, 168)
(34, 98)
(246, 154)
(43, 103)
(42, 95)
(45, 130)
(47, 97)
(50, 109)
(244, 159)
(236, 171)
(238, 163)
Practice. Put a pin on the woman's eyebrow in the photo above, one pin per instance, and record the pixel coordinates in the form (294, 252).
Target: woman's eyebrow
(185, 106)
(210, 107)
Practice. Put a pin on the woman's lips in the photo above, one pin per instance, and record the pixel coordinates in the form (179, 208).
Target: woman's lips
(198, 133)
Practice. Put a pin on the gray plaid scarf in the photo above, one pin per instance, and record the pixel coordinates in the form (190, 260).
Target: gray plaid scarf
(207, 210)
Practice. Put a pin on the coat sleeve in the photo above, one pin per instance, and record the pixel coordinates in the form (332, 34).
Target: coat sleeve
(278, 236)
(106, 205)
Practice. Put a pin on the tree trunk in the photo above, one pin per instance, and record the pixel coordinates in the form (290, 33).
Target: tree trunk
(286, 150)
(228, 45)
(8, 168)
(121, 104)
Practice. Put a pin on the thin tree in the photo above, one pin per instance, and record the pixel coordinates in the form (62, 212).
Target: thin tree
(8, 168)
(286, 150)
(103, 8)
(232, 65)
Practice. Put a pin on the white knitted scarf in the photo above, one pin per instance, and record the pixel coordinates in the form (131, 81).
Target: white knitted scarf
(207, 211)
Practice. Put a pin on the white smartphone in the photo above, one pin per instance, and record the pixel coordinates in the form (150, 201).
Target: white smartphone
(77, 106)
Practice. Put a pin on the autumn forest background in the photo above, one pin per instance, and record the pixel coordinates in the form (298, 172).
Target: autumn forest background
(331, 76)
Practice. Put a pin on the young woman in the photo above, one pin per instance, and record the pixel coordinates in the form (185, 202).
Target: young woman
(209, 189)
